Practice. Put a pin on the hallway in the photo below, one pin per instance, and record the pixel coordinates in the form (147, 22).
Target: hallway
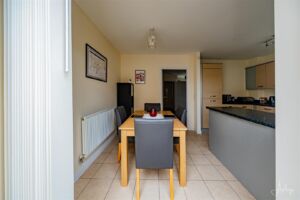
(207, 178)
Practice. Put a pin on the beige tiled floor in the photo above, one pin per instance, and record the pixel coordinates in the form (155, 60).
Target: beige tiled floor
(207, 178)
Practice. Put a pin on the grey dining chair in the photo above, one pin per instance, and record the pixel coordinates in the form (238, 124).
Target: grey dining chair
(149, 106)
(153, 148)
(121, 117)
(178, 111)
(183, 118)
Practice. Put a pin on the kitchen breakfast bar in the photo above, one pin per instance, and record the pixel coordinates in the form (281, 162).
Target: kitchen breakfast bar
(244, 141)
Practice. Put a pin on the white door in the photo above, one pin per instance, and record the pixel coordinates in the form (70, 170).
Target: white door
(38, 100)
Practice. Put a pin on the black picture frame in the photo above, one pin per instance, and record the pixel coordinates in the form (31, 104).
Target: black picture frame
(95, 64)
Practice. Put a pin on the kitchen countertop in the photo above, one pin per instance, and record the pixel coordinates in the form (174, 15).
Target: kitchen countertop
(259, 117)
(255, 104)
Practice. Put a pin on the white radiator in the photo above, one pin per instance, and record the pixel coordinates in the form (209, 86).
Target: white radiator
(95, 130)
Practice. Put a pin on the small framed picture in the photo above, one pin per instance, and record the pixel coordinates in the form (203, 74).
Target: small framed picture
(96, 64)
(140, 76)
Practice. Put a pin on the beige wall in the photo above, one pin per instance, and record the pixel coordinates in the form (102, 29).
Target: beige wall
(234, 76)
(90, 95)
(1, 105)
(151, 91)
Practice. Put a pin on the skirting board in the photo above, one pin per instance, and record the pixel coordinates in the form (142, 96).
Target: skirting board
(91, 159)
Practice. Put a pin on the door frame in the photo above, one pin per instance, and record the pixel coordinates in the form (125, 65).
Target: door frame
(162, 82)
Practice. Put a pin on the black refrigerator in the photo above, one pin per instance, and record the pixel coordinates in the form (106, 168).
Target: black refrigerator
(125, 92)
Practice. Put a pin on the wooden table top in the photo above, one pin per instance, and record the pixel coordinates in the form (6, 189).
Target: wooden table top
(129, 123)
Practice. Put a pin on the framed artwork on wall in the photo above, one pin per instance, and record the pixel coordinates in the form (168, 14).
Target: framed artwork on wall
(140, 76)
(96, 64)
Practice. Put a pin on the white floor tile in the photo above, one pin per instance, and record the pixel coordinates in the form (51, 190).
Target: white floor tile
(95, 190)
(149, 190)
(107, 171)
(207, 178)
(90, 173)
(225, 173)
(192, 173)
(221, 190)
(209, 172)
(101, 158)
(164, 190)
(196, 190)
(164, 174)
(112, 158)
(241, 190)
(199, 159)
(213, 159)
(79, 186)
(149, 174)
(117, 192)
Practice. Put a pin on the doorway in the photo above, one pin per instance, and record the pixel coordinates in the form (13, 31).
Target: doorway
(174, 89)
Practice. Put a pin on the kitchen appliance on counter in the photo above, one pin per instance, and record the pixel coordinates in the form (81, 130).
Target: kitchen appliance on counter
(263, 100)
(226, 98)
(272, 100)
(245, 100)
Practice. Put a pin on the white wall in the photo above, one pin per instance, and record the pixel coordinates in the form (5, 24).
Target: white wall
(287, 51)
(234, 76)
(90, 95)
(151, 91)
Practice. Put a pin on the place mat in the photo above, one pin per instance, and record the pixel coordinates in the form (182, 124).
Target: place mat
(158, 116)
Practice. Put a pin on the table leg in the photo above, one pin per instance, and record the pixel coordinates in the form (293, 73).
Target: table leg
(182, 159)
(124, 160)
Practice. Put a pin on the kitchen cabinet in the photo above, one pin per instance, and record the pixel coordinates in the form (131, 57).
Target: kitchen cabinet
(270, 75)
(212, 87)
(205, 111)
(261, 76)
(251, 78)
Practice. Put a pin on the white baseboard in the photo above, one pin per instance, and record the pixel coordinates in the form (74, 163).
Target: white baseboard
(91, 159)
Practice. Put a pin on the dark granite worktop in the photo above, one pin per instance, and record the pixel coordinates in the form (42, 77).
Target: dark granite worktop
(259, 117)
(250, 103)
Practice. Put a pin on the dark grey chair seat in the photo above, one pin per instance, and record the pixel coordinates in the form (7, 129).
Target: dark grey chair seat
(149, 106)
(121, 116)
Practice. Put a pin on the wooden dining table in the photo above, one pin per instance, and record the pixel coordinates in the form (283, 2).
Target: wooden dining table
(127, 130)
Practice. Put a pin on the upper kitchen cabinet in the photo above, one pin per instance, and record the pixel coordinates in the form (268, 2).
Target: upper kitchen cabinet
(261, 76)
(251, 78)
(270, 73)
(212, 80)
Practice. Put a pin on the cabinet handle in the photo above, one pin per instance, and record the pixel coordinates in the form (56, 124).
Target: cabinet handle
(260, 86)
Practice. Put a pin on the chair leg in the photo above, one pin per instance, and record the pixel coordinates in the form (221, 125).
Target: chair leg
(119, 152)
(137, 187)
(171, 185)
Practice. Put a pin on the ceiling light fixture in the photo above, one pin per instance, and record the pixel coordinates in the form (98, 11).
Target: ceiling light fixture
(270, 41)
(152, 39)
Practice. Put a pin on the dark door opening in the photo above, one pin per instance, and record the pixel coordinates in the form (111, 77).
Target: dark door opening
(174, 89)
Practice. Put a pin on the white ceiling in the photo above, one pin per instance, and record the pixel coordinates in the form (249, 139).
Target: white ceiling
(216, 28)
